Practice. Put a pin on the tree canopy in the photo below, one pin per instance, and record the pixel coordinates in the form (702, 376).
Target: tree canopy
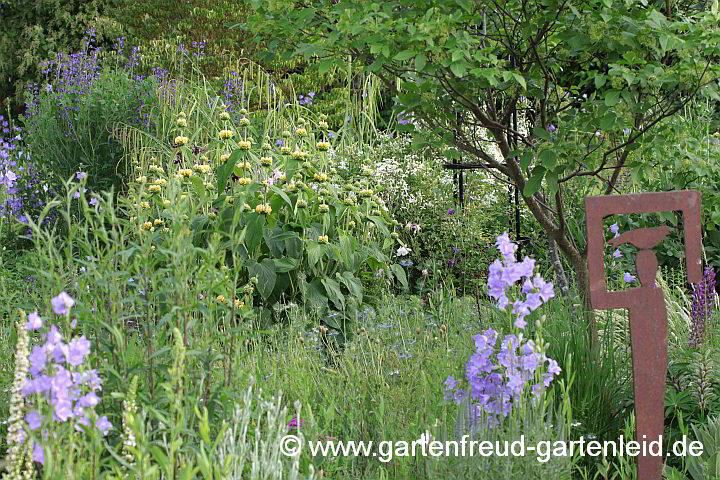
(591, 81)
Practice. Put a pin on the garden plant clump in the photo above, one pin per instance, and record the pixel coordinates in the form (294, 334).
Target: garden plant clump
(225, 226)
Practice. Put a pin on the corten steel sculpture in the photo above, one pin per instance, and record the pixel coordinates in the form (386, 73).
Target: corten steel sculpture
(646, 304)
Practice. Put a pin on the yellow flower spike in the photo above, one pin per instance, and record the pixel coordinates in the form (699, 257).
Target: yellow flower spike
(181, 122)
(244, 122)
(147, 225)
(224, 157)
(266, 161)
(244, 144)
(220, 298)
(225, 134)
(160, 181)
(243, 181)
(144, 204)
(300, 131)
(224, 116)
(324, 208)
(154, 188)
(180, 140)
(285, 150)
(230, 200)
(323, 239)
(166, 203)
(202, 168)
(322, 145)
(158, 221)
(239, 304)
(141, 179)
(323, 124)
(264, 209)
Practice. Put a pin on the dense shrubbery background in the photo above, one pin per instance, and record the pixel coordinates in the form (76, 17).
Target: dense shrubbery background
(254, 234)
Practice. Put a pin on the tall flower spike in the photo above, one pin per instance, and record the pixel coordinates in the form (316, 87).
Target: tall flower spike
(703, 298)
(16, 438)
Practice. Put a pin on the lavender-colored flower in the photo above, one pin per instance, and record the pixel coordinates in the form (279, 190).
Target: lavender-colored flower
(89, 400)
(62, 303)
(617, 253)
(93, 201)
(628, 277)
(551, 128)
(614, 228)
(63, 409)
(103, 424)
(499, 377)
(80, 175)
(78, 349)
(38, 453)
(33, 419)
(54, 336)
(37, 359)
(34, 321)
(451, 211)
(703, 299)
(503, 275)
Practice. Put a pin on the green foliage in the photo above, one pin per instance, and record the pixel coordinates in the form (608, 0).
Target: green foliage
(570, 91)
(35, 31)
(686, 156)
(71, 130)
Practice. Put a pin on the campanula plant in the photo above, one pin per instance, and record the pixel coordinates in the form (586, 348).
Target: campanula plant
(500, 377)
(53, 419)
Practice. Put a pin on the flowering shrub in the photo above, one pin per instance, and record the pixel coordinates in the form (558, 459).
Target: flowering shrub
(68, 117)
(297, 230)
(498, 377)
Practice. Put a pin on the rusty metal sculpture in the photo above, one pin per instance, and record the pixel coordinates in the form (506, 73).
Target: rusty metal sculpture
(646, 304)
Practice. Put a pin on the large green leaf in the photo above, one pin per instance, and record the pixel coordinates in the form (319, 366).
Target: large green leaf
(265, 273)
(533, 185)
(316, 296)
(253, 232)
(400, 275)
(315, 252)
(353, 284)
(334, 293)
(283, 265)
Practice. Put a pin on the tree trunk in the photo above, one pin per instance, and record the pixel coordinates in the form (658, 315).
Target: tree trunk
(582, 282)
(560, 277)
